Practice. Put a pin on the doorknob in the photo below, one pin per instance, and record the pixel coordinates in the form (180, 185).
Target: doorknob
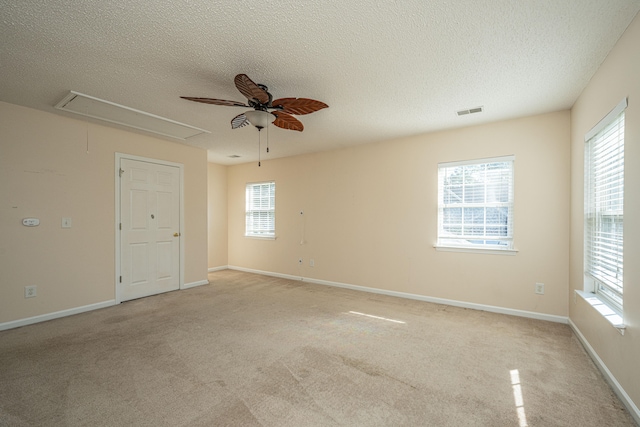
(176, 234)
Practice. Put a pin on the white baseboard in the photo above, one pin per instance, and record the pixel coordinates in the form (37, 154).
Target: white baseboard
(613, 382)
(455, 303)
(222, 267)
(194, 284)
(50, 316)
(76, 310)
(267, 273)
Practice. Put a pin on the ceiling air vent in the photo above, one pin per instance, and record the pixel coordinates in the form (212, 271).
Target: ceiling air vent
(470, 111)
(233, 156)
(100, 109)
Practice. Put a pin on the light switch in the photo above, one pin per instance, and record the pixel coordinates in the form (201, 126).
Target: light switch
(66, 222)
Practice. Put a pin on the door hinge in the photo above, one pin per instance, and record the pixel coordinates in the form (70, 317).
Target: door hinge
(120, 226)
(120, 279)
(121, 172)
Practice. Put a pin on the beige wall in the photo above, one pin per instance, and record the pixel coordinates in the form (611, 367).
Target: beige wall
(218, 243)
(53, 167)
(618, 77)
(370, 216)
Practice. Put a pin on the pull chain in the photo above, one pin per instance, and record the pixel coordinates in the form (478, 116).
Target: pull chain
(258, 147)
(267, 138)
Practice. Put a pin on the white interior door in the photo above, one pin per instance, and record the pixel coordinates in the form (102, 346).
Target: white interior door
(149, 229)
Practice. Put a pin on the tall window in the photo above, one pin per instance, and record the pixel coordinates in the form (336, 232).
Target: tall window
(475, 204)
(260, 209)
(604, 203)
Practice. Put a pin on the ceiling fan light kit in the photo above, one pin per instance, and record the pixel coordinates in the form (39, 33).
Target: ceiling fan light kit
(260, 119)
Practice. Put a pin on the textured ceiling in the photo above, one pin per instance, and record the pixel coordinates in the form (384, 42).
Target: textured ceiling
(386, 68)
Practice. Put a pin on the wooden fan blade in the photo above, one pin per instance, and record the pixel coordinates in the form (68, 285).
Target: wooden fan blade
(252, 91)
(287, 121)
(215, 101)
(239, 121)
(299, 106)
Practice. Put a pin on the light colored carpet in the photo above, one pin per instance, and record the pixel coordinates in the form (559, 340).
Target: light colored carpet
(250, 350)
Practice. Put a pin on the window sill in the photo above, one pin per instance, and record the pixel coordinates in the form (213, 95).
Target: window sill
(251, 236)
(476, 250)
(601, 307)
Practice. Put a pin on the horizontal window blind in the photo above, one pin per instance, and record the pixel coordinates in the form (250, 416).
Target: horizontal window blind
(475, 204)
(604, 206)
(260, 209)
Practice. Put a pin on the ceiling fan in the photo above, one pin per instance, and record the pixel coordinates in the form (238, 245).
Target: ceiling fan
(265, 109)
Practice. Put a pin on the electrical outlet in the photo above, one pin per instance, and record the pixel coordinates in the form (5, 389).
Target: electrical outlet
(30, 291)
(539, 288)
(312, 263)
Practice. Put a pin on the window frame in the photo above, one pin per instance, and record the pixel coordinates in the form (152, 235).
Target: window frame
(596, 217)
(447, 243)
(252, 228)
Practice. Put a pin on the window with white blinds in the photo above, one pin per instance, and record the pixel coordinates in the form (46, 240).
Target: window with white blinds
(604, 203)
(260, 209)
(475, 204)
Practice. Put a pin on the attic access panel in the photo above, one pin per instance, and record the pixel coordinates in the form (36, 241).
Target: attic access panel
(96, 108)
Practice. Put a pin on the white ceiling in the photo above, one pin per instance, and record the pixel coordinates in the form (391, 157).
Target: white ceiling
(386, 68)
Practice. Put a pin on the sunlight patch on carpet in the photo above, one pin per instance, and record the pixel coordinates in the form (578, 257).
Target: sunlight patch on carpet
(517, 396)
(377, 317)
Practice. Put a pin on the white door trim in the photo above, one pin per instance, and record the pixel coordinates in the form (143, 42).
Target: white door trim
(180, 167)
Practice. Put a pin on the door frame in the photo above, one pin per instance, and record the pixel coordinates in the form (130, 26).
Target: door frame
(180, 166)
